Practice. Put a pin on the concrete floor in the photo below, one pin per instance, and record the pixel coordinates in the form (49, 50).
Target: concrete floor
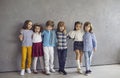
(107, 71)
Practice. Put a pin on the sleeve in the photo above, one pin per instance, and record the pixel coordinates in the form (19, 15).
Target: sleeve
(71, 34)
(94, 41)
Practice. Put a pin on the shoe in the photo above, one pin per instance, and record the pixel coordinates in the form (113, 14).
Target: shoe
(28, 70)
(43, 71)
(52, 70)
(47, 73)
(59, 71)
(87, 72)
(64, 72)
(22, 72)
(80, 71)
(35, 71)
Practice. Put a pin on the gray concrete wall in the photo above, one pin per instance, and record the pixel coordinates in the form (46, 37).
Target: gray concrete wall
(104, 15)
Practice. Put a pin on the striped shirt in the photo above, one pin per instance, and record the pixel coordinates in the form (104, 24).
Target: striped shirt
(62, 40)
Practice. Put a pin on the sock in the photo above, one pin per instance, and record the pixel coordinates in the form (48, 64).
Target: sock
(35, 63)
(78, 64)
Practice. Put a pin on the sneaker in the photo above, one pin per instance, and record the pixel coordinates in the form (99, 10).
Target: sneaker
(52, 70)
(35, 71)
(87, 72)
(64, 72)
(47, 73)
(43, 71)
(60, 71)
(22, 72)
(80, 71)
(28, 70)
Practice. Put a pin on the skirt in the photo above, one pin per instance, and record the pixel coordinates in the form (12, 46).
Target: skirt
(37, 49)
(78, 45)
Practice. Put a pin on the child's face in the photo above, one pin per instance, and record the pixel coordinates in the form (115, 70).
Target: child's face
(37, 29)
(87, 28)
(49, 28)
(78, 26)
(62, 28)
(29, 25)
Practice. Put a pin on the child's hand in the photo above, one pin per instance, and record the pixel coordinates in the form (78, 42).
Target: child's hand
(21, 37)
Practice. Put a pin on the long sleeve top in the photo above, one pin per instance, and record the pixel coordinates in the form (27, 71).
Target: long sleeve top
(89, 41)
(49, 38)
(76, 35)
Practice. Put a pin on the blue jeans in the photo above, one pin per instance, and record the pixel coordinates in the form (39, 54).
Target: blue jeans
(62, 54)
(88, 56)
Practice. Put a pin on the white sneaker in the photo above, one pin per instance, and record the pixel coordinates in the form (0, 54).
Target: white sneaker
(28, 70)
(47, 72)
(80, 71)
(22, 72)
(52, 70)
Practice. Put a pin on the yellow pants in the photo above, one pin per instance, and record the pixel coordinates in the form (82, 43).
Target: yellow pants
(26, 55)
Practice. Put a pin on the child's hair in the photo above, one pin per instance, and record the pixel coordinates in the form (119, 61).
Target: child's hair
(50, 23)
(61, 24)
(86, 24)
(77, 22)
(37, 25)
(26, 24)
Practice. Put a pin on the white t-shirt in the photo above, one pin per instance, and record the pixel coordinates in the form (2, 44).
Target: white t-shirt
(76, 35)
(37, 37)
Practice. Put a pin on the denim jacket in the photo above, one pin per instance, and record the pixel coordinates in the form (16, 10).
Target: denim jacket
(49, 38)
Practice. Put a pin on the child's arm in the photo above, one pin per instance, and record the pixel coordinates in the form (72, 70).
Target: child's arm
(94, 41)
(71, 35)
(21, 35)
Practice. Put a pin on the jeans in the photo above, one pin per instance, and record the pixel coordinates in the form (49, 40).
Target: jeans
(62, 54)
(88, 57)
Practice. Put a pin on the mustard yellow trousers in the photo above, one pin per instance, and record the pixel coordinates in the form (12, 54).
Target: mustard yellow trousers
(26, 56)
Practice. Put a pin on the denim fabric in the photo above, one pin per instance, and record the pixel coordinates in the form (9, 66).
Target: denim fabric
(62, 54)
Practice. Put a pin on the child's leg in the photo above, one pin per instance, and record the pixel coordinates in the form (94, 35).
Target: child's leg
(35, 63)
(63, 58)
(42, 63)
(90, 53)
(81, 54)
(23, 60)
(24, 55)
(51, 53)
(29, 55)
(78, 59)
(87, 60)
(60, 59)
(46, 57)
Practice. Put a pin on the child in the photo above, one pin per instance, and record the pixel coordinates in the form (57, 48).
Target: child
(26, 38)
(37, 48)
(89, 41)
(62, 46)
(77, 35)
(49, 41)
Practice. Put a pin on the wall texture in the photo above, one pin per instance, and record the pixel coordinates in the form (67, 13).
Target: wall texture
(104, 15)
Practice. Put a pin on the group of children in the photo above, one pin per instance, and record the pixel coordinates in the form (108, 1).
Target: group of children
(39, 44)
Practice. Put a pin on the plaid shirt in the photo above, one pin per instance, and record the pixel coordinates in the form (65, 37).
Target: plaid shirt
(62, 40)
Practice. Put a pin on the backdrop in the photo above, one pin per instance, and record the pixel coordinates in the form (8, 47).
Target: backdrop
(103, 14)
